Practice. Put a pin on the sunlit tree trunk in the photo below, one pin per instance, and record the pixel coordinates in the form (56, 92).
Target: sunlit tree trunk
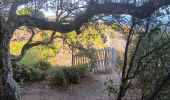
(9, 89)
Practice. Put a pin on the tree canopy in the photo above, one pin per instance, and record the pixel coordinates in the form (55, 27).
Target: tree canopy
(31, 12)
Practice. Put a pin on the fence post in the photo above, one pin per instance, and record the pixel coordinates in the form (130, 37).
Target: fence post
(72, 56)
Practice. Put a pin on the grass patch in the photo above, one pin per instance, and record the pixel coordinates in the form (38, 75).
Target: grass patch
(32, 57)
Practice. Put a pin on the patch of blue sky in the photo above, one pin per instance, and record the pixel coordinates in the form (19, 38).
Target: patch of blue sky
(123, 19)
(45, 12)
(48, 13)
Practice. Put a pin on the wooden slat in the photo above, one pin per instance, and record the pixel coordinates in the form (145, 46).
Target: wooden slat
(104, 59)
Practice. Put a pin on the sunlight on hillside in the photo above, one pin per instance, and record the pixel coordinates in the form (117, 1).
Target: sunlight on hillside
(15, 47)
(58, 53)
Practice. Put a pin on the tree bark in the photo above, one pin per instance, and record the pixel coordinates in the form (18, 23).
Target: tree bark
(121, 93)
(9, 89)
(140, 12)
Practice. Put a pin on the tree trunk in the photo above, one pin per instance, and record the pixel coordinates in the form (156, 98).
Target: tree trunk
(9, 89)
(121, 93)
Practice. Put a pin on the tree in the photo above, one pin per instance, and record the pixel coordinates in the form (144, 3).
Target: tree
(9, 21)
(9, 89)
(147, 43)
(31, 12)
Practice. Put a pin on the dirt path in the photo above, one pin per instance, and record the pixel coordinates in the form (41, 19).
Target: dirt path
(91, 88)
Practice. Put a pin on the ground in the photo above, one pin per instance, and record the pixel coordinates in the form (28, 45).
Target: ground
(91, 88)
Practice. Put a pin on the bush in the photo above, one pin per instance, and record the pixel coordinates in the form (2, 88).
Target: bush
(64, 75)
(56, 76)
(36, 74)
(43, 65)
(24, 73)
(73, 74)
(61, 76)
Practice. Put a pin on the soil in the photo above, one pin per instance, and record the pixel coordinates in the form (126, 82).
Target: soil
(90, 88)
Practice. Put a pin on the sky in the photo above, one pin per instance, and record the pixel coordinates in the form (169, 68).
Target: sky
(45, 12)
(48, 13)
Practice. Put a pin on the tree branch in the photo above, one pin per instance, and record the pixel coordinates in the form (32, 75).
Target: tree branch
(137, 47)
(149, 53)
(94, 8)
(164, 82)
(29, 45)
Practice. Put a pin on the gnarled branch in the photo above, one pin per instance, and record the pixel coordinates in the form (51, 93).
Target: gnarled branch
(29, 45)
(141, 12)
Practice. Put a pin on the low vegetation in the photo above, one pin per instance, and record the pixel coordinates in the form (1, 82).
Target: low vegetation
(43, 70)
(63, 76)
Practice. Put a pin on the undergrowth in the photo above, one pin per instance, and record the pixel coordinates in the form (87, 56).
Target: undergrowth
(43, 70)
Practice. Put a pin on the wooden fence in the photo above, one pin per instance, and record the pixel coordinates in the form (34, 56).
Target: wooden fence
(102, 62)
(79, 58)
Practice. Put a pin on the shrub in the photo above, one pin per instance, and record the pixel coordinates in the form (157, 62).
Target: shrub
(61, 76)
(24, 73)
(64, 75)
(56, 76)
(36, 74)
(21, 73)
(73, 74)
(83, 70)
(43, 65)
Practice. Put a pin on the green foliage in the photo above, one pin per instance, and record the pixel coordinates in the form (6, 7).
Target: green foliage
(116, 27)
(43, 65)
(31, 12)
(49, 50)
(15, 47)
(25, 11)
(36, 74)
(156, 48)
(32, 56)
(44, 35)
(64, 75)
(30, 73)
(61, 76)
(168, 93)
(56, 76)
(24, 73)
(112, 89)
(93, 36)
(75, 73)
(35, 54)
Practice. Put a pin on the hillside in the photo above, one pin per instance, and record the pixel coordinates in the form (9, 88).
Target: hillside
(62, 54)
